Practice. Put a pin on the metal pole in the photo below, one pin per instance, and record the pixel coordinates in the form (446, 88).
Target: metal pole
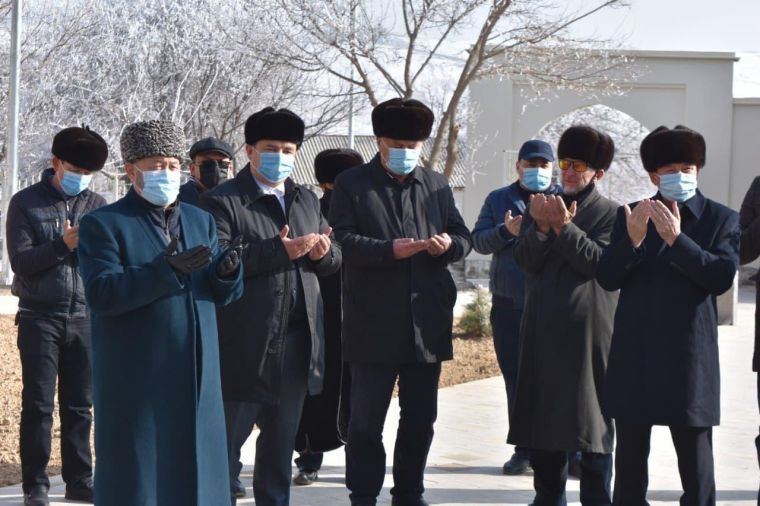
(351, 89)
(10, 181)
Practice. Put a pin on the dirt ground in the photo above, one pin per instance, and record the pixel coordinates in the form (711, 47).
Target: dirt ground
(474, 359)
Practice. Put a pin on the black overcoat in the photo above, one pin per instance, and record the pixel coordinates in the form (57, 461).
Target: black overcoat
(252, 331)
(565, 333)
(396, 311)
(749, 219)
(664, 367)
(318, 430)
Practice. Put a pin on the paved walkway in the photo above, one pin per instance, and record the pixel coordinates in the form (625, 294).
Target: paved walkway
(464, 467)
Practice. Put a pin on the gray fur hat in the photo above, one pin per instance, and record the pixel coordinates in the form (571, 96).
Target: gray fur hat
(152, 138)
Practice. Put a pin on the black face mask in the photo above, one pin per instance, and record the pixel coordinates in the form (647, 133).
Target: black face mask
(213, 173)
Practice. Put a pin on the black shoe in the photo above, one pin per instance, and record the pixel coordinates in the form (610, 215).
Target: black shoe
(37, 496)
(517, 464)
(304, 478)
(81, 493)
(238, 490)
(406, 502)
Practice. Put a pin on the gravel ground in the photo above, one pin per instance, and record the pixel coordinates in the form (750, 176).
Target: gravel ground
(474, 360)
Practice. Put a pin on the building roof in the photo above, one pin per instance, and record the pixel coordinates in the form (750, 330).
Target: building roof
(364, 144)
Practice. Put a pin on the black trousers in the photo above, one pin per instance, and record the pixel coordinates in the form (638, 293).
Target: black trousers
(371, 390)
(278, 424)
(550, 478)
(505, 323)
(695, 464)
(309, 462)
(55, 348)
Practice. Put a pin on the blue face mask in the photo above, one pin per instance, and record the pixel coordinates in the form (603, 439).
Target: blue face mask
(403, 161)
(160, 187)
(276, 167)
(536, 179)
(73, 184)
(678, 187)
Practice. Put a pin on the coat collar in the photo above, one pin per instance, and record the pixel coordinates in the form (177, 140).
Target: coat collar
(381, 175)
(251, 192)
(695, 205)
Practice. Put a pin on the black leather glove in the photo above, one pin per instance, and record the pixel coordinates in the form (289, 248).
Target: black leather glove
(188, 261)
(230, 260)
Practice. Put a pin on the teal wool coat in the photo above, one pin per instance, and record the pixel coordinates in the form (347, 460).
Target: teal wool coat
(159, 436)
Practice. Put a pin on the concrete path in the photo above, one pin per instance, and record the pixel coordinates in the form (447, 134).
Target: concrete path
(464, 467)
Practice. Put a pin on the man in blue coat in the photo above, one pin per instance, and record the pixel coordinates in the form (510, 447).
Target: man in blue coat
(494, 234)
(670, 257)
(153, 273)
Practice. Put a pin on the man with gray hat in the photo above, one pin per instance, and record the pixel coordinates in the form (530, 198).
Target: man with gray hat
(53, 321)
(272, 339)
(153, 274)
(210, 165)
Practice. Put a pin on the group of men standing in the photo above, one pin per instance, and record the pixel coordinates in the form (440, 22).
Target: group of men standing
(233, 301)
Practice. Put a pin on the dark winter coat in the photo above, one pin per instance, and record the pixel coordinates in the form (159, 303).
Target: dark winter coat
(252, 331)
(750, 250)
(491, 237)
(566, 330)
(46, 276)
(664, 367)
(396, 311)
(190, 193)
(160, 436)
(318, 430)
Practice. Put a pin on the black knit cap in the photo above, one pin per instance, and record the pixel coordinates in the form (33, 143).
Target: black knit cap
(402, 119)
(587, 144)
(664, 146)
(331, 162)
(81, 147)
(276, 125)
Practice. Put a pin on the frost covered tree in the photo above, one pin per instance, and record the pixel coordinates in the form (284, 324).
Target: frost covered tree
(434, 49)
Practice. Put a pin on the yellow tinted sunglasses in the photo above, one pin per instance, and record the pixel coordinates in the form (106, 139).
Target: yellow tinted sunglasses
(579, 167)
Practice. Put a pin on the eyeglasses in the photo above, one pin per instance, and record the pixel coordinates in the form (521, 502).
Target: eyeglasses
(215, 164)
(578, 167)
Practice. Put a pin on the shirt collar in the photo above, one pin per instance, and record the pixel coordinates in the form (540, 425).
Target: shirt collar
(278, 191)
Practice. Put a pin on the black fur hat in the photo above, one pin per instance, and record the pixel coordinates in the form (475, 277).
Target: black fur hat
(331, 162)
(664, 146)
(81, 147)
(587, 144)
(407, 120)
(277, 125)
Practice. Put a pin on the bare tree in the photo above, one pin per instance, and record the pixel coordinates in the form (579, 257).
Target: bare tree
(365, 44)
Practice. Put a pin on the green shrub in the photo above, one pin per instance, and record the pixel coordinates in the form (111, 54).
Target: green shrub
(475, 320)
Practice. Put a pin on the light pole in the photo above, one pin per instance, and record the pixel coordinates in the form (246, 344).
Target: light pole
(10, 180)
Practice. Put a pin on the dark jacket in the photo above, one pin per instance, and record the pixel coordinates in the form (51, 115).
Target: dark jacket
(396, 311)
(318, 430)
(566, 330)
(157, 394)
(749, 221)
(190, 193)
(46, 276)
(491, 237)
(252, 330)
(664, 367)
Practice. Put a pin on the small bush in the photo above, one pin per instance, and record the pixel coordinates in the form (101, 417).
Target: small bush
(475, 320)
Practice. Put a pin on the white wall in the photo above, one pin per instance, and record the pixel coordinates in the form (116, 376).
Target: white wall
(694, 89)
